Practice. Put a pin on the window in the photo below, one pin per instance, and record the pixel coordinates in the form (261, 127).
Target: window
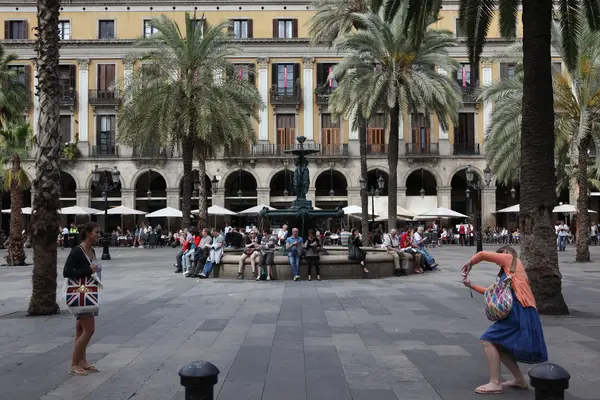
(376, 134)
(106, 78)
(285, 28)
(15, 30)
(64, 30)
(507, 70)
(66, 80)
(64, 126)
(245, 72)
(241, 28)
(464, 134)
(557, 67)
(106, 29)
(149, 30)
(330, 134)
(458, 27)
(200, 23)
(106, 137)
(286, 131)
(421, 133)
(466, 76)
(323, 72)
(286, 77)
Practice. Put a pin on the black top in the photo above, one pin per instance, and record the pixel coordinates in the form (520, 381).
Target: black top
(356, 241)
(77, 264)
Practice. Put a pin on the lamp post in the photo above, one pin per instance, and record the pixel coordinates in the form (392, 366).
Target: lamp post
(110, 182)
(478, 186)
(373, 192)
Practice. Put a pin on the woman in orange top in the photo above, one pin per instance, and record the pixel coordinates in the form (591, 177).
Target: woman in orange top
(518, 337)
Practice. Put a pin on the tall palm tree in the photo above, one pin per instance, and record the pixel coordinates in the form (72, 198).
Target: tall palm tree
(47, 179)
(14, 95)
(538, 179)
(16, 138)
(183, 97)
(333, 19)
(383, 70)
(577, 117)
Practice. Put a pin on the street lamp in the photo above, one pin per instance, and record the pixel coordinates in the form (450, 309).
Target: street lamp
(110, 182)
(373, 192)
(214, 185)
(197, 189)
(513, 193)
(475, 184)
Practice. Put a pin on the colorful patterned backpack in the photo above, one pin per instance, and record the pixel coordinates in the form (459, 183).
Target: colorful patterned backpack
(498, 297)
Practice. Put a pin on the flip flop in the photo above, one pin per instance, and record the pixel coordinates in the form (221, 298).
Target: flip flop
(79, 373)
(482, 390)
(512, 384)
(91, 368)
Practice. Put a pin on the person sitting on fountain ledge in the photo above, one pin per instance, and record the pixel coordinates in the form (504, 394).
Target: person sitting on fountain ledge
(293, 244)
(355, 252)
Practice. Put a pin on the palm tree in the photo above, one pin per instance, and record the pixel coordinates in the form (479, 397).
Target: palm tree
(404, 77)
(14, 95)
(47, 179)
(184, 97)
(333, 19)
(576, 124)
(16, 138)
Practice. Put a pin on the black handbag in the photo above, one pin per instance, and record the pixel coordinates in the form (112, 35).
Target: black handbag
(354, 253)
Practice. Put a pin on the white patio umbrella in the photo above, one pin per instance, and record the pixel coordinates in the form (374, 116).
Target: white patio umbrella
(441, 212)
(122, 210)
(254, 210)
(511, 209)
(568, 208)
(24, 211)
(350, 210)
(217, 210)
(166, 212)
(384, 218)
(78, 210)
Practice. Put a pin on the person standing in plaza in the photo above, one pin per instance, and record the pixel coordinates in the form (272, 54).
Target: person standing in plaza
(293, 245)
(312, 247)
(518, 337)
(81, 263)
(563, 232)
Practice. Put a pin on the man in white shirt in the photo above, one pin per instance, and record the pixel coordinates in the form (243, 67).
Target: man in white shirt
(391, 242)
(563, 232)
(282, 235)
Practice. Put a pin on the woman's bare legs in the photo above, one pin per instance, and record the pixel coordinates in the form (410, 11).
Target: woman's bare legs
(82, 338)
(510, 363)
(493, 358)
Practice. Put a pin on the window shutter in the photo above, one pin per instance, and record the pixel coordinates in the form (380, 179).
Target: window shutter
(27, 73)
(275, 28)
(274, 74)
(427, 136)
(294, 28)
(415, 136)
(250, 29)
(72, 79)
(7, 30)
(296, 75)
(230, 26)
(252, 73)
(320, 73)
(101, 77)
(503, 70)
(25, 30)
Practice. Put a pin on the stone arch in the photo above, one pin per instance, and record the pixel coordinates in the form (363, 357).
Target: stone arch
(421, 179)
(372, 176)
(379, 167)
(339, 189)
(227, 174)
(479, 173)
(325, 169)
(139, 173)
(66, 178)
(278, 177)
(436, 175)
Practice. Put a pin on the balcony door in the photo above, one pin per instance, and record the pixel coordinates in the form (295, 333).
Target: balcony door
(106, 80)
(421, 133)
(64, 126)
(284, 78)
(286, 132)
(106, 137)
(66, 80)
(376, 134)
(330, 134)
(464, 134)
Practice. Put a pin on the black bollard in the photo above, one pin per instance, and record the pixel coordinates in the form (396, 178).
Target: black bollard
(549, 381)
(199, 378)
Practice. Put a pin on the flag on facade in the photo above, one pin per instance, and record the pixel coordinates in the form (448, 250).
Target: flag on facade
(464, 76)
(330, 82)
(285, 77)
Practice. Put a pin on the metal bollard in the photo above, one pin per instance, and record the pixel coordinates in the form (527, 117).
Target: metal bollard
(199, 378)
(549, 381)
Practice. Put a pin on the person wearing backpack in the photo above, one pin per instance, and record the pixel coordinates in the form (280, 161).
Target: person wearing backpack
(519, 336)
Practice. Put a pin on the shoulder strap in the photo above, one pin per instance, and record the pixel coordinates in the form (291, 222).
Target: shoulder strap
(85, 254)
(513, 265)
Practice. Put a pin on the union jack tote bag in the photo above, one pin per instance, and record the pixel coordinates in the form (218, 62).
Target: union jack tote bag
(82, 295)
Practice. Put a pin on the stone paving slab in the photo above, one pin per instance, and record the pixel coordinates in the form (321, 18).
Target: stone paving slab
(414, 338)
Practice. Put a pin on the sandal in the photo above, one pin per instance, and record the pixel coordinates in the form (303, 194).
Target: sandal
(483, 390)
(91, 368)
(78, 371)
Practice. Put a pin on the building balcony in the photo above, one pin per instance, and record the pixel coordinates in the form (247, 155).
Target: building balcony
(104, 97)
(466, 149)
(104, 151)
(322, 94)
(422, 150)
(153, 153)
(376, 149)
(469, 93)
(332, 150)
(278, 150)
(68, 98)
(280, 96)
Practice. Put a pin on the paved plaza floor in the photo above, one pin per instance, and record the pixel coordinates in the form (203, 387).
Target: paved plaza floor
(413, 338)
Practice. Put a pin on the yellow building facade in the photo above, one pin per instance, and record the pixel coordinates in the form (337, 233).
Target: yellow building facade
(97, 57)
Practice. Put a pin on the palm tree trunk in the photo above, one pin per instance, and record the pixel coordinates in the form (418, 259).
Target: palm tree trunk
(203, 222)
(187, 154)
(364, 196)
(538, 180)
(393, 167)
(583, 218)
(16, 251)
(46, 184)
